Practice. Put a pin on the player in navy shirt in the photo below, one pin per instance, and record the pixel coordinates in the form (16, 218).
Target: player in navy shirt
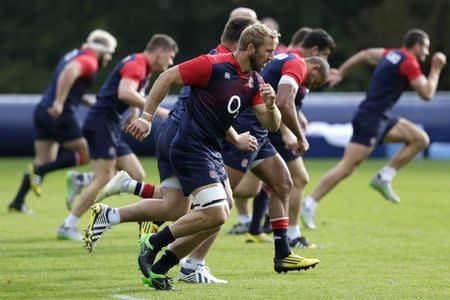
(286, 73)
(54, 120)
(221, 87)
(175, 204)
(102, 127)
(396, 70)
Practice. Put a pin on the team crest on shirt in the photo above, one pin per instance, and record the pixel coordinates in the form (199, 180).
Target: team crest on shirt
(250, 82)
(372, 141)
(112, 151)
(227, 75)
(244, 163)
(213, 174)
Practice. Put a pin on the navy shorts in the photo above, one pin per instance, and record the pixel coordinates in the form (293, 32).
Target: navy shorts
(277, 141)
(104, 137)
(63, 129)
(195, 168)
(243, 160)
(370, 128)
(168, 131)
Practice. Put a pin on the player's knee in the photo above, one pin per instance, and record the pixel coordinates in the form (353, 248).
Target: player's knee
(422, 141)
(283, 188)
(301, 180)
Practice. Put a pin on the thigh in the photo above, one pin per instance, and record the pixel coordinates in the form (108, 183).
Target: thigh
(104, 169)
(131, 164)
(298, 171)
(355, 154)
(403, 131)
(273, 171)
(248, 187)
(235, 176)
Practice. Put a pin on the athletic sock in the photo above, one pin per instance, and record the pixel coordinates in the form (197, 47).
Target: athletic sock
(114, 216)
(161, 239)
(244, 218)
(293, 232)
(165, 263)
(143, 190)
(280, 238)
(71, 221)
(64, 160)
(310, 203)
(387, 173)
(260, 204)
(192, 263)
(85, 179)
(22, 192)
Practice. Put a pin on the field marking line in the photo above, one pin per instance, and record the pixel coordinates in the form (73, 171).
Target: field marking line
(125, 297)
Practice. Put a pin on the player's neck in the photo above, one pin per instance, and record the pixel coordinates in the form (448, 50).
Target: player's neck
(242, 60)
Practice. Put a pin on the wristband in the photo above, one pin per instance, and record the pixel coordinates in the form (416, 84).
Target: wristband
(147, 114)
(149, 124)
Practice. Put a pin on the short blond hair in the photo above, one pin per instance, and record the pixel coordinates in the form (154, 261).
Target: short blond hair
(256, 35)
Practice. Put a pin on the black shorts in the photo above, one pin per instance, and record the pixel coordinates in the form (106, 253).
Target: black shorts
(370, 128)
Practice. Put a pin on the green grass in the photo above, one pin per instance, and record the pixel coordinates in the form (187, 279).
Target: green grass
(371, 249)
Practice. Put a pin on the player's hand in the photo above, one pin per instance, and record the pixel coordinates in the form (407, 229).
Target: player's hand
(268, 95)
(139, 129)
(246, 142)
(334, 77)
(56, 110)
(438, 60)
(290, 140)
(303, 146)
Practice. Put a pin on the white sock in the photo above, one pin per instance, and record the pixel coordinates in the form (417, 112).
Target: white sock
(88, 177)
(130, 185)
(244, 219)
(71, 221)
(114, 216)
(310, 203)
(387, 173)
(192, 263)
(293, 232)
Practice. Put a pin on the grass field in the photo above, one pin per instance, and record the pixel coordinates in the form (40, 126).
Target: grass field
(370, 249)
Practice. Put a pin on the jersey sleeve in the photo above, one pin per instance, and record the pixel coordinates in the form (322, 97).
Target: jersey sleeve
(133, 70)
(197, 71)
(89, 65)
(296, 69)
(410, 68)
(257, 99)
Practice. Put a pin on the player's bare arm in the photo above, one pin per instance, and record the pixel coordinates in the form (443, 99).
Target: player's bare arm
(369, 56)
(140, 128)
(268, 114)
(128, 93)
(244, 141)
(285, 101)
(65, 82)
(426, 86)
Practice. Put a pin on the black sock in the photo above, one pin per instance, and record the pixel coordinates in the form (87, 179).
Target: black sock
(22, 192)
(64, 160)
(260, 204)
(159, 223)
(281, 240)
(165, 263)
(161, 239)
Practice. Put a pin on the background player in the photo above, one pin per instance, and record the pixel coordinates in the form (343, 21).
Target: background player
(54, 117)
(102, 127)
(372, 123)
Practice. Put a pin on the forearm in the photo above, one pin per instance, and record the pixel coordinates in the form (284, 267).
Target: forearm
(273, 118)
(290, 119)
(232, 136)
(63, 86)
(157, 93)
(132, 98)
(433, 80)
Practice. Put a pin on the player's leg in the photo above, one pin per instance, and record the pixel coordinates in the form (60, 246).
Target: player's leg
(45, 151)
(75, 182)
(300, 179)
(280, 183)
(354, 155)
(414, 140)
(104, 170)
(240, 182)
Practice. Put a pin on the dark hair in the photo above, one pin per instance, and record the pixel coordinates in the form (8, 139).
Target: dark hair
(234, 27)
(414, 36)
(299, 35)
(161, 40)
(320, 38)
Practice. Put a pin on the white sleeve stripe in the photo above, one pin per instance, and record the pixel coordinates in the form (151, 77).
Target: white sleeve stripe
(286, 79)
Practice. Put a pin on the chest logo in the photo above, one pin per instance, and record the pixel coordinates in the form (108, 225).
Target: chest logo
(227, 75)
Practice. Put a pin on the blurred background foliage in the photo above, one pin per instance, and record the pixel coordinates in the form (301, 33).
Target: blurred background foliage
(34, 34)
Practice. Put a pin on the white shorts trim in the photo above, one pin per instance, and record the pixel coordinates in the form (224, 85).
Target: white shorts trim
(255, 163)
(171, 182)
(210, 197)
